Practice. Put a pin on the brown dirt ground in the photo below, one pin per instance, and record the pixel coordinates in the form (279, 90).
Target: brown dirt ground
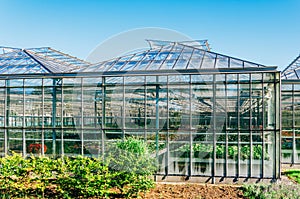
(195, 191)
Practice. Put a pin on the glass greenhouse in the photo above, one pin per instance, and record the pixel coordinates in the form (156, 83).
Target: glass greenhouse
(290, 94)
(202, 113)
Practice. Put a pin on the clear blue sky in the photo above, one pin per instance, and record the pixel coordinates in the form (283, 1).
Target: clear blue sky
(262, 31)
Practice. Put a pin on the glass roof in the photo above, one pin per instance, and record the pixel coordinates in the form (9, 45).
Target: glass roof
(292, 71)
(164, 55)
(37, 61)
(202, 44)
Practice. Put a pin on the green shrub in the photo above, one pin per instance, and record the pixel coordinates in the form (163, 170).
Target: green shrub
(271, 191)
(126, 168)
(83, 177)
(131, 164)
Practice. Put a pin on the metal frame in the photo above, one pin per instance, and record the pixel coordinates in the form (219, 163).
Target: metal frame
(185, 95)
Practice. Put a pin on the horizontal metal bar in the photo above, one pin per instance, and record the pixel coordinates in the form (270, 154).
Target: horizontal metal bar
(148, 73)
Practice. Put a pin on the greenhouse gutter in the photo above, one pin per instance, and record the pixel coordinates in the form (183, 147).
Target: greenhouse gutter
(140, 73)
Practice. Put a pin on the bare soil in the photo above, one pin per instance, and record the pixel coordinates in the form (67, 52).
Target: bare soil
(195, 191)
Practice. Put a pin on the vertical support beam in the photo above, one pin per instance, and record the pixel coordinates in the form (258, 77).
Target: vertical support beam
(293, 120)
(6, 115)
(54, 99)
(157, 116)
(226, 127)
(96, 118)
(167, 157)
(278, 125)
(145, 108)
(263, 129)
(123, 109)
(81, 116)
(23, 121)
(213, 174)
(238, 127)
(190, 128)
(43, 118)
(62, 117)
(103, 89)
(251, 129)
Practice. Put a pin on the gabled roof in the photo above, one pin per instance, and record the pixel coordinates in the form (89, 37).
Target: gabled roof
(171, 55)
(292, 71)
(37, 61)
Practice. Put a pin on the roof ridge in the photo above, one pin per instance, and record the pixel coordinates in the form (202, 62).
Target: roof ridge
(32, 57)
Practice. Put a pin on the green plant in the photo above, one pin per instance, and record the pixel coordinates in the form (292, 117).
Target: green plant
(271, 191)
(131, 165)
(294, 174)
(206, 150)
(127, 168)
(83, 177)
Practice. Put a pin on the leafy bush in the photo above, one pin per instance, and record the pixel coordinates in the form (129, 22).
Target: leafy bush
(271, 191)
(132, 165)
(21, 177)
(83, 176)
(126, 168)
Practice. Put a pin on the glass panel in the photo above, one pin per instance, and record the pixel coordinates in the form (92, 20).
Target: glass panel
(33, 82)
(48, 106)
(72, 142)
(151, 98)
(179, 154)
(222, 62)
(50, 142)
(135, 107)
(2, 83)
(179, 107)
(34, 142)
(48, 82)
(245, 107)
(202, 107)
(270, 107)
(196, 59)
(58, 101)
(208, 60)
(15, 82)
(92, 107)
(250, 65)
(286, 149)
(203, 79)
(92, 143)
(235, 63)
(268, 153)
(72, 106)
(33, 107)
(15, 141)
(113, 106)
(179, 79)
(183, 60)
(15, 107)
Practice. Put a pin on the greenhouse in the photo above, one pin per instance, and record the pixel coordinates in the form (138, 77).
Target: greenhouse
(290, 93)
(202, 113)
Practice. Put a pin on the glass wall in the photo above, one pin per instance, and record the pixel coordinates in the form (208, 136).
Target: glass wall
(290, 141)
(219, 125)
